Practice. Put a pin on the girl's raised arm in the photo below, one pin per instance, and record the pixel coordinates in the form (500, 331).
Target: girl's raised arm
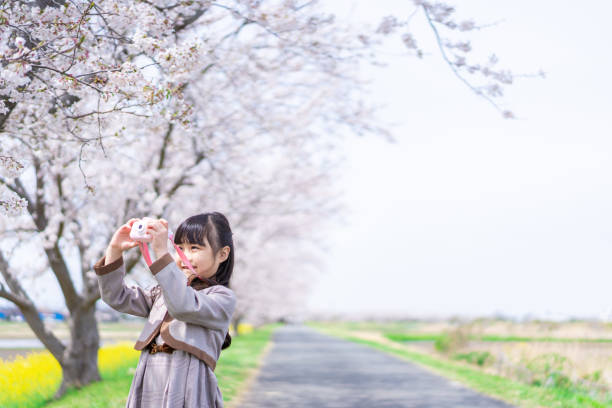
(212, 309)
(111, 271)
(126, 299)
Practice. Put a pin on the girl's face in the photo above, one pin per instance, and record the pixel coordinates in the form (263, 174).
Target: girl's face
(201, 257)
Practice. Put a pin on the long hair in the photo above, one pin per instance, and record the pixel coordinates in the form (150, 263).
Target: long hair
(215, 227)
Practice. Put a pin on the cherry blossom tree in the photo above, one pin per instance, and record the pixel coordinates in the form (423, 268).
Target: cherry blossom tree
(114, 109)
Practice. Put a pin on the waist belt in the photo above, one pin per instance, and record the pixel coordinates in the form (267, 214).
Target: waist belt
(156, 348)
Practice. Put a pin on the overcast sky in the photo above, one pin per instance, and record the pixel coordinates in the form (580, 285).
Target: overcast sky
(469, 214)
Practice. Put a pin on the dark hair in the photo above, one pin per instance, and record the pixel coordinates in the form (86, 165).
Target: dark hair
(215, 227)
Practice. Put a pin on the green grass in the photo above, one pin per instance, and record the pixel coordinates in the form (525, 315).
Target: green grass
(233, 368)
(110, 392)
(409, 332)
(511, 391)
(380, 326)
(474, 357)
(405, 337)
(401, 337)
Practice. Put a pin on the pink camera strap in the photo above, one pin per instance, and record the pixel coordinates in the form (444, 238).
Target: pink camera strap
(144, 250)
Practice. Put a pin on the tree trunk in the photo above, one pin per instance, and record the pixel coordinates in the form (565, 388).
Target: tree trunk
(80, 360)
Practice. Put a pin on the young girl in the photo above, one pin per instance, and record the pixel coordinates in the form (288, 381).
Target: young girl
(188, 315)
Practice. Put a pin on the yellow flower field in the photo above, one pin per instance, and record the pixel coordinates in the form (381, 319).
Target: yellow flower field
(31, 380)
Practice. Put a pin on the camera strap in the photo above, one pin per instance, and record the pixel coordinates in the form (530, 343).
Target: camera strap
(144, 250)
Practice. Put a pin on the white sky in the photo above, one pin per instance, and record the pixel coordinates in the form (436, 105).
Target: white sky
(470, 214)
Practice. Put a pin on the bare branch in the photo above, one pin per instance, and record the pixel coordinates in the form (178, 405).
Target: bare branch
(20, 298)
(4, 116)
(189, 20)
(162, 156)
(17, 300)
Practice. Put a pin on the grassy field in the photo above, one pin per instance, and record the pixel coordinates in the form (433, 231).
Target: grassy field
(461, 353)
(234, 368)
(581, 330)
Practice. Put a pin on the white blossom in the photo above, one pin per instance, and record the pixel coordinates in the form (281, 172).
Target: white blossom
(409, 41)
(11, 205)
(387, 25)
(10, 167)
(467, 25)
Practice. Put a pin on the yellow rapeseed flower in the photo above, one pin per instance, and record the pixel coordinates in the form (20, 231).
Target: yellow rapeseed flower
(245, 328)
(29, 381)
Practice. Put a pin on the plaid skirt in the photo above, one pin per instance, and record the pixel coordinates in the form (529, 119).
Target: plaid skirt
(174, 380)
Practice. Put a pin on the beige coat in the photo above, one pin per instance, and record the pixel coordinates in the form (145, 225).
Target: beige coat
(195, 321)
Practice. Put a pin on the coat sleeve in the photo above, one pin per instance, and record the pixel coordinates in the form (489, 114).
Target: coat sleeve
(126, 299)
(208, 308)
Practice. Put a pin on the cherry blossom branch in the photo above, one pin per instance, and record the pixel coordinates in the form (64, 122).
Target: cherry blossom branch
(79, 40)
(246, 19)
(64, 74)
(454, 68)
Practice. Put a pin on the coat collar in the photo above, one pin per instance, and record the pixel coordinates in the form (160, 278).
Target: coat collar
(198, 283)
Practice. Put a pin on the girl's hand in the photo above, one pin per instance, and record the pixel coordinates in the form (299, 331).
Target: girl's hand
(120, 242)
(121, 239)
(158, 230)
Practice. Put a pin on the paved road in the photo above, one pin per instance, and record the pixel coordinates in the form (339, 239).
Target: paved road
(307, 369)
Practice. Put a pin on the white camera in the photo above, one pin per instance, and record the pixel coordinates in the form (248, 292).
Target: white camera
(139, 230)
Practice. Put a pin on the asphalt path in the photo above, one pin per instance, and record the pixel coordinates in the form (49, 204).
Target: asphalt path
(305, 368)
